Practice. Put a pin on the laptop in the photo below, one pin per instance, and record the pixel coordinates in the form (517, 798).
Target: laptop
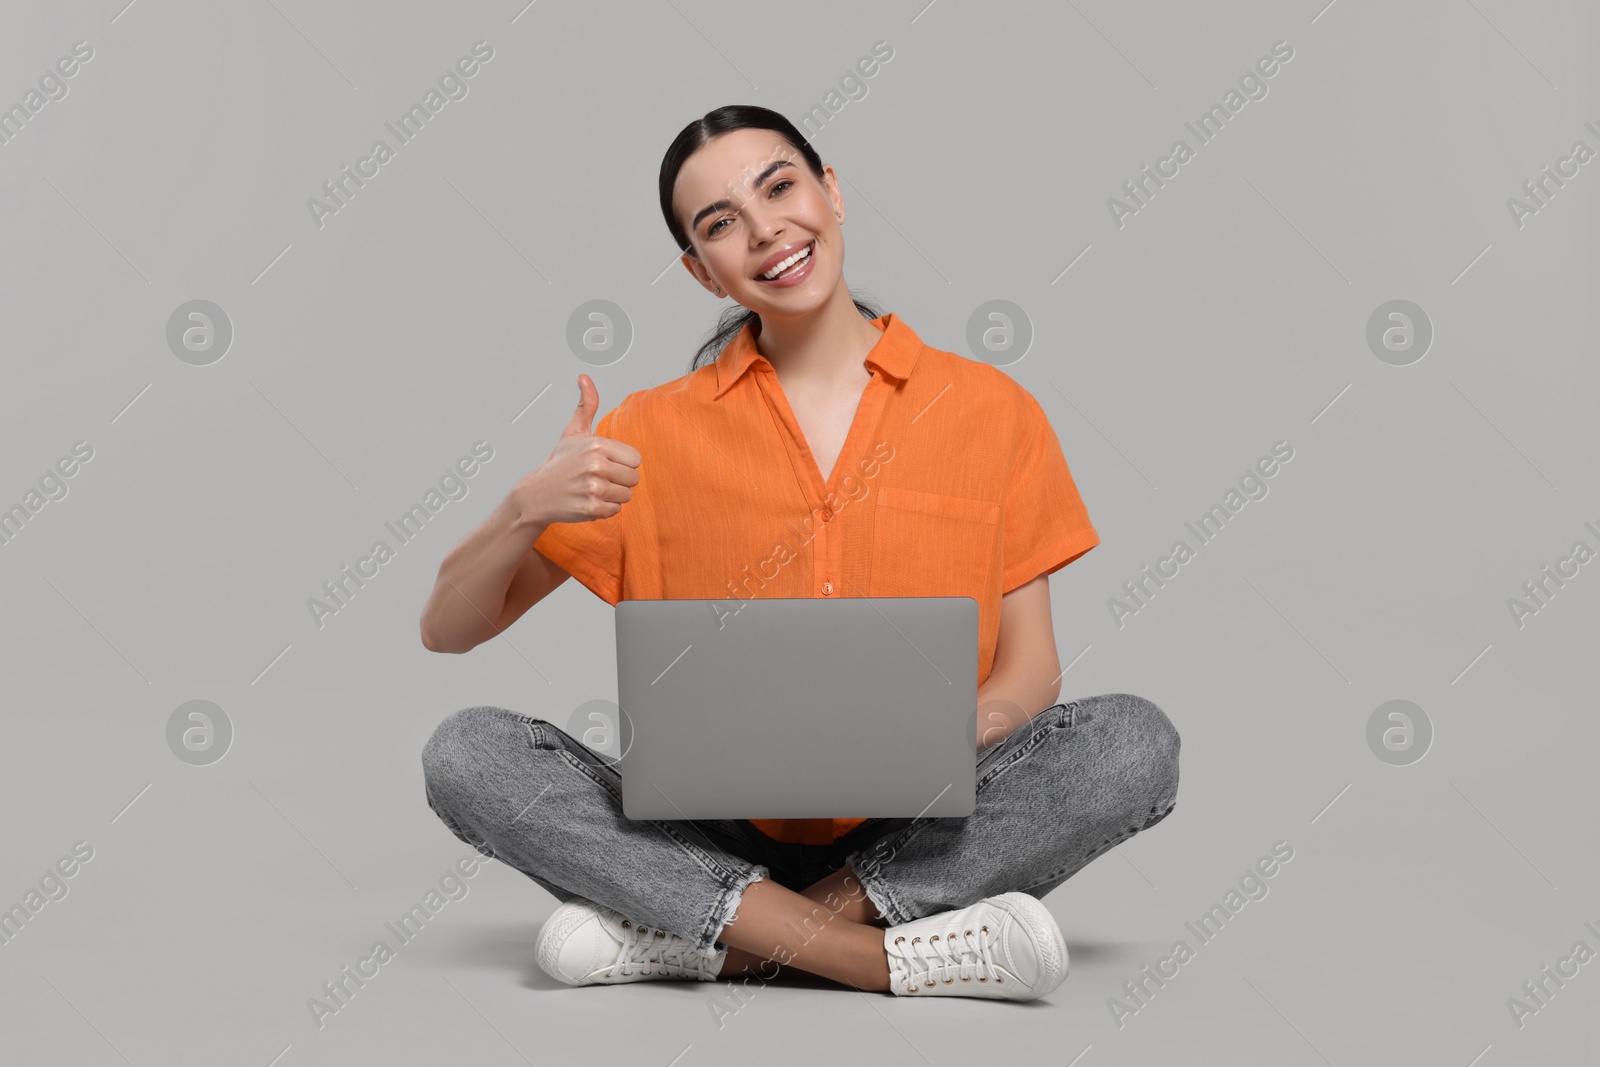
(798, 708)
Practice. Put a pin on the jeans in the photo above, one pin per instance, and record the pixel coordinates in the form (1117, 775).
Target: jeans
(1060, 790)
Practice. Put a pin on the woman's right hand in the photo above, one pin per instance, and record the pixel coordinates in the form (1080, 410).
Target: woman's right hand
(586, 477)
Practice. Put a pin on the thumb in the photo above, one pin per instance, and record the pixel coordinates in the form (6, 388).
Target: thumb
(588, 404)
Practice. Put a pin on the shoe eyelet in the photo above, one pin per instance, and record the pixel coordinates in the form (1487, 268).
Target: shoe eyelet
(914, 940)
(965, 978)
(983, 928)
(898, 940)
(983, 979)
(932, 939)
(947, 981)
(928, 985)
(969, 932)
(625, 922)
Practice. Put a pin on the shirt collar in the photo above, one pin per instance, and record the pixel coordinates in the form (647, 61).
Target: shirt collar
(895, 353)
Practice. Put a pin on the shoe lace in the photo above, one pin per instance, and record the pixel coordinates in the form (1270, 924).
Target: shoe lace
(642, 949)
(944, 959)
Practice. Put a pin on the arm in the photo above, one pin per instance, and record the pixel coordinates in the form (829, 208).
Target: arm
(495, 574)
(1026, 676)
(488, 581)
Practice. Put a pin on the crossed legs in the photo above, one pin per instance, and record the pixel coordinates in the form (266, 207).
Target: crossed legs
(837, 927)
(1104, 768)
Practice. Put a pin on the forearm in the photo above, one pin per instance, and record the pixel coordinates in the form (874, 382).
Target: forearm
(1015, 692)
(470, 591)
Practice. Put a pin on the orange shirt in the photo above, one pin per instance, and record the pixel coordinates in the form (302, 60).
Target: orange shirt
(951, 483)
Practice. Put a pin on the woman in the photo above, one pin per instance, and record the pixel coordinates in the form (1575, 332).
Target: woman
(825, 451)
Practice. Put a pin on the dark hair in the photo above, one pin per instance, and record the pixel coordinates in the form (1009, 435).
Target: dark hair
(689, 139)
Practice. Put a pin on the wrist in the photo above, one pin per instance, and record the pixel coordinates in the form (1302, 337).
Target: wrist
(526, 515)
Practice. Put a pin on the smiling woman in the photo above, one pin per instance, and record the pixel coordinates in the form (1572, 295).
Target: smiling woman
(777, 171)
(750, 457)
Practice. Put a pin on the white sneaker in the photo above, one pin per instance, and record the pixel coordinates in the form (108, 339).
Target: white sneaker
(1006, 947)
(583, 943)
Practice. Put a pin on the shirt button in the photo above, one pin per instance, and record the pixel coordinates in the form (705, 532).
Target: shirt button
(827, 514)
(827, 588)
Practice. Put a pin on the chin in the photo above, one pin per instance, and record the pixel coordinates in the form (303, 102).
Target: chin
(816, 298)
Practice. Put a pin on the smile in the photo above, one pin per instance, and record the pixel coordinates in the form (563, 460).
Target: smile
(789, 266)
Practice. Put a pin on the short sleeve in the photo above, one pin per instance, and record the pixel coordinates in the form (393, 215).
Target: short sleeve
(1046, 525)
(590, 551)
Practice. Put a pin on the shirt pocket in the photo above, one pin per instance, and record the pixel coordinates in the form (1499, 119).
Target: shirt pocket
(931, 544)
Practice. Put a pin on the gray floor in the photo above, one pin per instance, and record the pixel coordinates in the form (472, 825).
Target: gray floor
(1243, 306)
(1417, 901)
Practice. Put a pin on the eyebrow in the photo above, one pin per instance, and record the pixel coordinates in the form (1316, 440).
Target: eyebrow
(723, 205)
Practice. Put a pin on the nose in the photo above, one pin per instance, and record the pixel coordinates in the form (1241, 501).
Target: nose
(765, 226)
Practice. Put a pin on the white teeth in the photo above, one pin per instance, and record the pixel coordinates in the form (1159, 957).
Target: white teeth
(786, 264)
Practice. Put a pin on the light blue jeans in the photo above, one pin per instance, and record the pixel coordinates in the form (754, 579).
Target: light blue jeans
(1068, 785)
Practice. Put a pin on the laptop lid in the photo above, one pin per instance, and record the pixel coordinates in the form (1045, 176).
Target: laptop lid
(798, 708)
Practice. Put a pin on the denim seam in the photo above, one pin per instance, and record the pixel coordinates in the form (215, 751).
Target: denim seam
(878, 891)
(726, 910)
(1155, 815)
(875, 879)
(586, 769)
(908, 834)
(700, 855)
(705, 859)
(535, 729)
(887, 902)
(1048, 877)
(1022, 750)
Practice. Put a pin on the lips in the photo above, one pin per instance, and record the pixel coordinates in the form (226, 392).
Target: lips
(782, 254)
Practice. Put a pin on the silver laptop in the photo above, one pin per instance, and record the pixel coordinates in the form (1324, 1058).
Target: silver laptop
(798, 708)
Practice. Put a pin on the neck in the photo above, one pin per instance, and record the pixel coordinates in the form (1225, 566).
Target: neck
(822, 350)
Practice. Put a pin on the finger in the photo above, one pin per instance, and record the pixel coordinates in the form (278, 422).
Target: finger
(617, 494)
(588, 403)
(618, 473)
(620, 451)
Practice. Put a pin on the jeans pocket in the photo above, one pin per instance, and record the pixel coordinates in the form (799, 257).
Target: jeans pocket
(1023, 740)
(580, 756)
(1012, 758)
(602, 773)
(538, 731)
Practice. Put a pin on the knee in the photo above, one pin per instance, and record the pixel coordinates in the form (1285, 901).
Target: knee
(1154, 726)
(1150, 737)
(455, 757)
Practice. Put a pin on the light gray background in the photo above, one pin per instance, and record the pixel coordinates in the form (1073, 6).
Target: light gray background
(370, 354)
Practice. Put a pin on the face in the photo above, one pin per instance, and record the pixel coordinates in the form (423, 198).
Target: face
(747, 199)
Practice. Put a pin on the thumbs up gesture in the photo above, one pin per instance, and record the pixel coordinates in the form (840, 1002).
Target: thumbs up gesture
(586, 477)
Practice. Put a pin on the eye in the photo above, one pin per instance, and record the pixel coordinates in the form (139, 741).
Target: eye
(776, 188)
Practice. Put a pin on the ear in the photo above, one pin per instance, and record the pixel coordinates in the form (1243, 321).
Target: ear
(694, 267)
(830, 182)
